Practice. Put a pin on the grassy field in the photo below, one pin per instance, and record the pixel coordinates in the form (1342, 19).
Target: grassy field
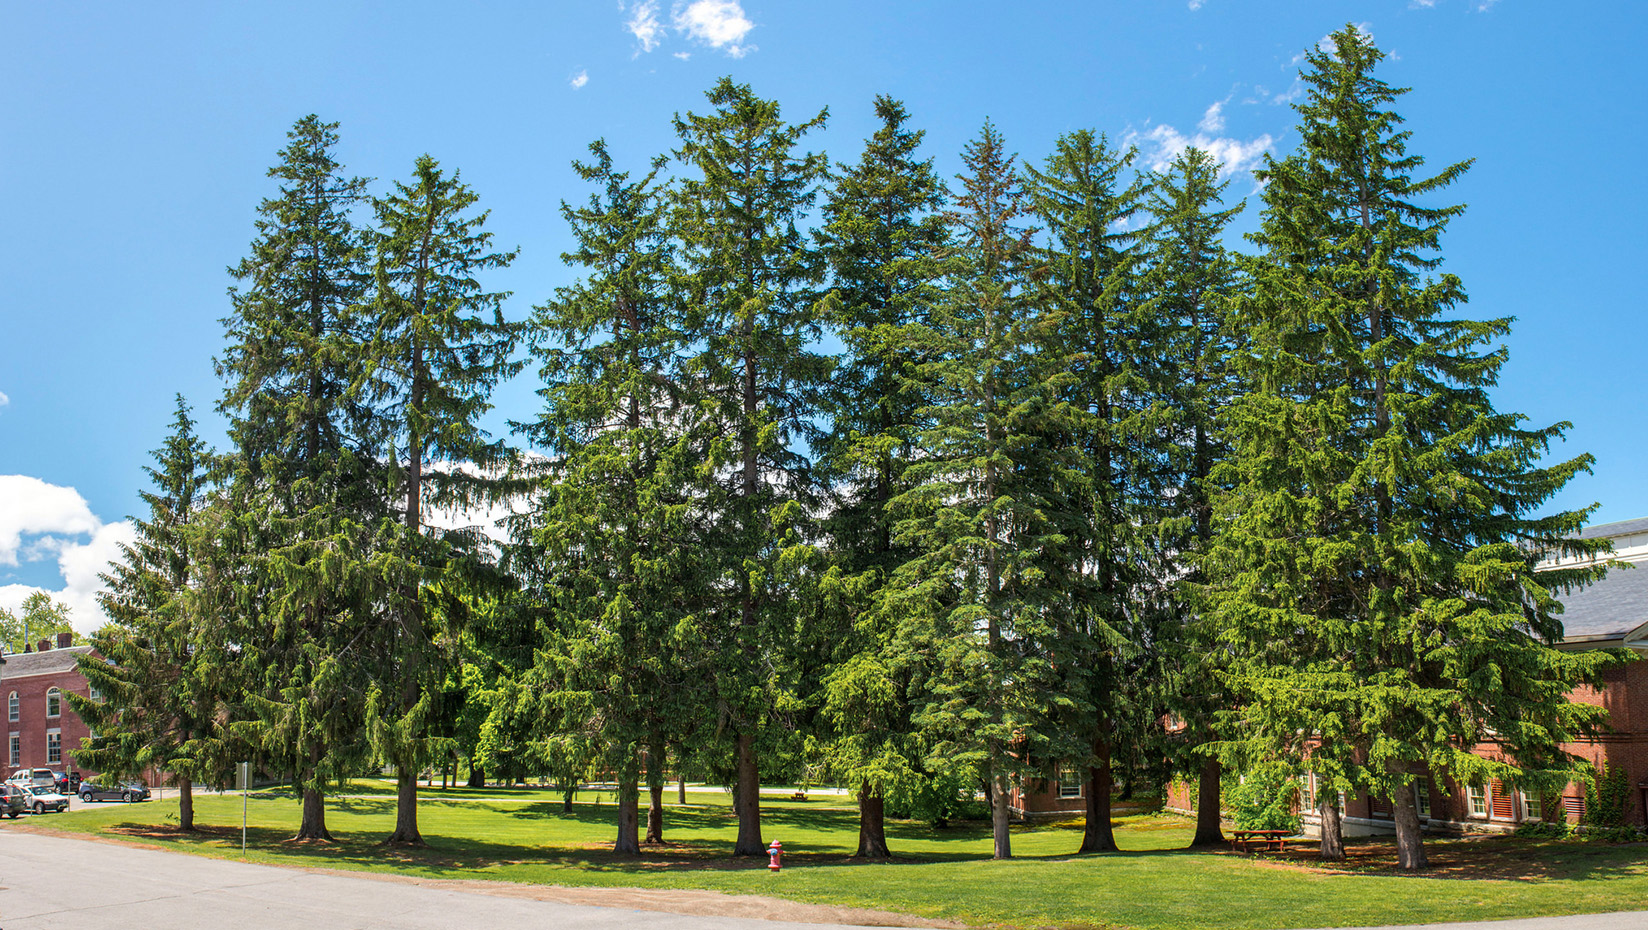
(521, 835)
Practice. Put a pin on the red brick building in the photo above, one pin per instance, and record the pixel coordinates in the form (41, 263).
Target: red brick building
(42, 729)
(1610, 614)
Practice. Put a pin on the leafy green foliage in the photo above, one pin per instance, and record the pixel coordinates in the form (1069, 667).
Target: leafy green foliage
(1265, 798)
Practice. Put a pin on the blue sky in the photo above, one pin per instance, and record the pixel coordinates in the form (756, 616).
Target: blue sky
(134, 140)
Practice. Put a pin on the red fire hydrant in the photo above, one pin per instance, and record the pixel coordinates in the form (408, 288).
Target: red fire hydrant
(776, 851)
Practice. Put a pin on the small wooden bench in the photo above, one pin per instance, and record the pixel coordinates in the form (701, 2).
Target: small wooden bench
(1267, 840)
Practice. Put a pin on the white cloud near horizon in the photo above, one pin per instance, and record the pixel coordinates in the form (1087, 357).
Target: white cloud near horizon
(1214, 119)
(579, 80)
(56, 521)
(1161, 144)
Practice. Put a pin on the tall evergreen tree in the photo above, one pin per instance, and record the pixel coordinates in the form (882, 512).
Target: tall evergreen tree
(1189, 279)
(613, 525)
(749, 280)
(973, 596)
(1376, 575)
(882, 236)
(286, 559)
(1102, 439)
(438, 346)
(164, 681)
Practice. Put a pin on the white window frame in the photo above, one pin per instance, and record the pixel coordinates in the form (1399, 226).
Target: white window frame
(1476, 796)
(13, 708)
(1063, 790)
(1422, 797)
(1533, 807)
(14, 747)
(1307, 792)
(93, 693)
(54, 746)
(54, 703)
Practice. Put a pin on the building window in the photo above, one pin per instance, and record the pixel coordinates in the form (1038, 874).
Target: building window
(11, 707)
(93, 693)
(1478, 801)
(54, 703)
(54, 747)
(16, 749)
(1307, 791)
(1422, 797)
(1533, 807)
(1070, 781)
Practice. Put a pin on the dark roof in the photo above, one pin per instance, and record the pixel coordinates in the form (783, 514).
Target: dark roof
(1616, 605)
(1622, 528)
(19, 664)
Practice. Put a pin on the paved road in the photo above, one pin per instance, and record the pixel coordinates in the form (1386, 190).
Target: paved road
(52, 883)
(65, 884)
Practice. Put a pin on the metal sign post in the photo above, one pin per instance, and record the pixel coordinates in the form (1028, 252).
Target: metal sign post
(243, 781)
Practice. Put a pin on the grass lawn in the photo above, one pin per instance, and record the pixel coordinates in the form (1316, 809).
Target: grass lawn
(521, 835)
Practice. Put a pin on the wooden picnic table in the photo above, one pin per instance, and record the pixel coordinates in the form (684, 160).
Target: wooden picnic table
(1244, 840)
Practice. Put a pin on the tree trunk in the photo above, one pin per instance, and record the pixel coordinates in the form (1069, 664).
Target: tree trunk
(655, 795)
(1098, 837)
(1333, 835)
(313, 826)
(477, 775)
(749, 800)
(186, 804)
(1410, 845)
(1208, 827)
(681, 789)
(629, 817)
(1000, 816)
(872, 825)
(406, 808)
(566, 800)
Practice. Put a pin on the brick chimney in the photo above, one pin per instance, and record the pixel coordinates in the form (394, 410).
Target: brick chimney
(43, 646)
(65, 640)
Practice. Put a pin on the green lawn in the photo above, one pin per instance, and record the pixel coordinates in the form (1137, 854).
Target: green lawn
(520, 835)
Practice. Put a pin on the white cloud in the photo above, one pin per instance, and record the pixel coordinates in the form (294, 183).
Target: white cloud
(644, 25)
(54, 519)
(29, 506)
(4, 400)
(717, 23)
(1163, 143)
(682, 55)
(1196, 4)
(1214, 119)
(579, 79)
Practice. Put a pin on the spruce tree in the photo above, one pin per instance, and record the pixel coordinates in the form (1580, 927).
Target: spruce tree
(749, 282)
(1375, 575)
(973, 597)
(438, 344)
(1189, 279)
(1101, 442)
(613, 551)
(882, 236)
(287, 559)
(163, 683)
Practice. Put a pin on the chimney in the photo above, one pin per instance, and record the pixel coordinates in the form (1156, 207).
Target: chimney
(43, 646)
(65, 640)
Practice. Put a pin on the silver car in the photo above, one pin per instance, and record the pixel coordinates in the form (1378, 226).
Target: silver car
(46, 799)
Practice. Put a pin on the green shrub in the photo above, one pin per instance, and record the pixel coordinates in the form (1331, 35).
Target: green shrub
(1607, 798)
(1265, 799)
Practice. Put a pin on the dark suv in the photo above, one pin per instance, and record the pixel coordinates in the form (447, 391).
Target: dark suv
(114, 791)
(14, 799)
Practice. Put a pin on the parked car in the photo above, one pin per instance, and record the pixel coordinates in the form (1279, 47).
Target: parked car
(27, 777)
(47, 799)
(114, 791)
(14, 799)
